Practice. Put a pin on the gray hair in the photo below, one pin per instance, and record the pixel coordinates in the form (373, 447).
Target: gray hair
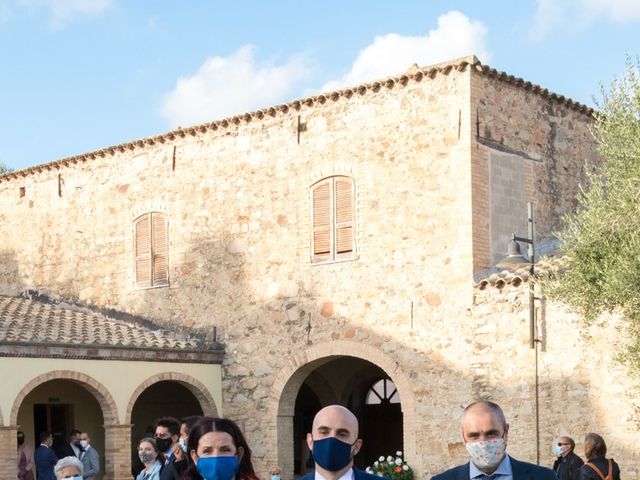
(492, 407)
(68, 462)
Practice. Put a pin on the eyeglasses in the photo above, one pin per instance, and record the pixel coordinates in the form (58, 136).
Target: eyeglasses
(561, 444)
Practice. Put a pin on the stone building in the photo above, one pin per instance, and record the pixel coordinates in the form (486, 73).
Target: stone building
(340, 247)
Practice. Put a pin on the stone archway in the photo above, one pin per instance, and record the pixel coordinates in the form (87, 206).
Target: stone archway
(290, 379)
(196, 387)
(113, 437)
(101, 394)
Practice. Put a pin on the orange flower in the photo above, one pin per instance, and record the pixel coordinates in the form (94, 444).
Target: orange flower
(398, 469)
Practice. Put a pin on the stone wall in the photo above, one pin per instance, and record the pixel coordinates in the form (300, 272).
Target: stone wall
(237, 202)
(529, 147)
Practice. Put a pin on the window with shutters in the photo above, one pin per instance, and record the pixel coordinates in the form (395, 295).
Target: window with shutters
(333, 220)
(151, 244)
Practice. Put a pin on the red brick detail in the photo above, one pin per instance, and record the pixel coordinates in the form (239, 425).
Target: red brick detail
(102, 395)
(433, 299)
(199, 390)
(327, 309)
(8, 452)
(117, 452)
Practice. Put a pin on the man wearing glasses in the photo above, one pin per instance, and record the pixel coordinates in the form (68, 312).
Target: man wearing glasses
(567, 465)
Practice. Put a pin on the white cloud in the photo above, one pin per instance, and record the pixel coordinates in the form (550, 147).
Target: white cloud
(578, 14)
(231, 85)
(62, 11)
(392, 54)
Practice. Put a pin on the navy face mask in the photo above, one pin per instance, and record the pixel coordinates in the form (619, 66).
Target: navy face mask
(217, 468)
(331, 454)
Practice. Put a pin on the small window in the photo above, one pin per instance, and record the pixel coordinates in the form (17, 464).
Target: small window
(333, 219)
(151, 244)
(383, 391)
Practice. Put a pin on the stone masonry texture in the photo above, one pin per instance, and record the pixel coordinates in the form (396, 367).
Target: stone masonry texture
(236, 197)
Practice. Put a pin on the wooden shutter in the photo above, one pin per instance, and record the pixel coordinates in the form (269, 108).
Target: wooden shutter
(142, 247)
(322, 221)
(160, 249)
(344, 216)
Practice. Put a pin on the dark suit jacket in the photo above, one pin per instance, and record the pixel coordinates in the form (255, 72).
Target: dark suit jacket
(67, 451)
(521, 471)
(173, 470)
(45, 460)
(357, 475)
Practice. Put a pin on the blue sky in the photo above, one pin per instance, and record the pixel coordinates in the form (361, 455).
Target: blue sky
(79, 75)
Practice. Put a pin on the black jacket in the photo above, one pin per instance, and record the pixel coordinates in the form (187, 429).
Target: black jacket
(568, 468)
(520, 471)
(173, 470)
(588, 473)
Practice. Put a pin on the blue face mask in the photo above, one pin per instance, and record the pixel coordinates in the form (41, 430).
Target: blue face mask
(183, 445)
(73, 478)
(217, 468)
(331, 454)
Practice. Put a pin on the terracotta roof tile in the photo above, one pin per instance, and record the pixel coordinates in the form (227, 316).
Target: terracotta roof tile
(25, 321)
(415, 73)
(501, 278)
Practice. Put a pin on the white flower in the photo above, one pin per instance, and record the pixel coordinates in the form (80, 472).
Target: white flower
(390, 459)
(379, 474)
(399, 453)
(376, 463)
(368, 470)
(405, 467)
(381, 459)
(398, 461)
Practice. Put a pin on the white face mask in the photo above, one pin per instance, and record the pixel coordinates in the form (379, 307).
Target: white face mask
(84, 443)
(487, 454)
(73, 478)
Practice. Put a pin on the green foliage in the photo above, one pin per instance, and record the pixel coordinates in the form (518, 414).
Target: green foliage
(4, 168)
(601, 240)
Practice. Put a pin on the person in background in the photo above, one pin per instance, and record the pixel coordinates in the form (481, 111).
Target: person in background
(167, 438)
(567, 465)
(152, 459)
(597, 466)
(218, 451)
(275, 473)
(69, 468)
(185, 427)
(334, 441)
(72, 449)
(25, 459)
(44, 457)
(90, 457)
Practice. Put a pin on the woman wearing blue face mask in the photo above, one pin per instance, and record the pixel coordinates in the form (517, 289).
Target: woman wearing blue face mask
(151, 458)
(68, 468)
(219, 451)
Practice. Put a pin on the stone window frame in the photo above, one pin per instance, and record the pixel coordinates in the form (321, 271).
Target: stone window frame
(158, 262)
(336, 231)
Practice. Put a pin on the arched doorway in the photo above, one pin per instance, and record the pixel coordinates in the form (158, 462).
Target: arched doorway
(362, 387)
(165, 398)
(59, 406)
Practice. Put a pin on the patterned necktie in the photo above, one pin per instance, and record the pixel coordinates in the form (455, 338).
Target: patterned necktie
(484, 476)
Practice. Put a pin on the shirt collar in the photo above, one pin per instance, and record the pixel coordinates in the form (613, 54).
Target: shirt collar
(503, 469)
(348, 475)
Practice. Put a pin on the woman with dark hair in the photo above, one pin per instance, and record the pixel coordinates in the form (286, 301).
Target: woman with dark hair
(151, 458)
(597, 467)
(219, 451)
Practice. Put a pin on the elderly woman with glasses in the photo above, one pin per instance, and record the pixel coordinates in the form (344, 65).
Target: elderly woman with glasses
(68, 468)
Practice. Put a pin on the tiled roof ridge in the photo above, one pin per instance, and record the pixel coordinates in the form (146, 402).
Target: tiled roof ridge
(414, 73)
(500, 279)
(83, 322)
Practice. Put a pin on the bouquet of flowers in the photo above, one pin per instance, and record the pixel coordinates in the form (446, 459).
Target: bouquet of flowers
(393, 468)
